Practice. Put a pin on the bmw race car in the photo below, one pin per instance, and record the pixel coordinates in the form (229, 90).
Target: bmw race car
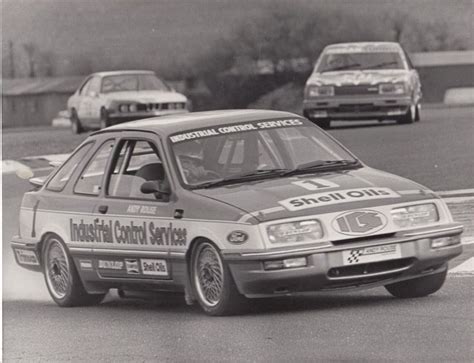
(229, 205)
(109, 98)
(360, 81)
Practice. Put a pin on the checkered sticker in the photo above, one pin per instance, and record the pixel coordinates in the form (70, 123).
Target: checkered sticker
(371, 254)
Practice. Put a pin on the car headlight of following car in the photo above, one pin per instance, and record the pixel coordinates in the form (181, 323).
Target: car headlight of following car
(320, 91)
(132, 107)
(415, 215)
(392, 88)
(299, 231)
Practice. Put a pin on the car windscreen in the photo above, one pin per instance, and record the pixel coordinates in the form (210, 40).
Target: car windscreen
(133, 82)
(340, 61)
(260, 148)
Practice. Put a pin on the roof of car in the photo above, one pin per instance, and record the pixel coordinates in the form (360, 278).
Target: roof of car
(364, 45)
(167, 125)
(119, 73)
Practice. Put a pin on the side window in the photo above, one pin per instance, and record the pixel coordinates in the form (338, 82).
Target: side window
(90, 180)
(410, 64)
(136, 162)
(85, 87)
(58, 182)
(94, 85)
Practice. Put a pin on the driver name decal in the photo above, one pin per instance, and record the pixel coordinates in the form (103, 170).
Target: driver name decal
(337, 197)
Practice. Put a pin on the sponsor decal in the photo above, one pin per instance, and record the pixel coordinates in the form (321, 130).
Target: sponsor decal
(154, 267)
(230, 129)
(85, 264)
(144, 233)
(371, 254)
(315, 184)
(110, 265)
(141, 209)
(132, 266)
(26, 257)
(359, 222)
(337, 197)
(237, 237)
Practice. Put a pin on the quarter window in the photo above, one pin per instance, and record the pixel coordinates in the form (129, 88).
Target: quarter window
(90, 180)
(58, 182)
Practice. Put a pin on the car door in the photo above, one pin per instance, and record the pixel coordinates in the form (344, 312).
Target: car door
(83, 104)
(95, 101)
(146, 236)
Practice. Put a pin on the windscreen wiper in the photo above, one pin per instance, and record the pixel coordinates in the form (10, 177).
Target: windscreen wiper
(340, 68)
(319, 165)
(242, 177)
(380, 65)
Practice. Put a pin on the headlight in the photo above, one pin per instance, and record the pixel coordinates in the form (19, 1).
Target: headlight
(415, 215)
(123, 108)
(132, 108)
(392, 88)
(320, 91)
(300, 231)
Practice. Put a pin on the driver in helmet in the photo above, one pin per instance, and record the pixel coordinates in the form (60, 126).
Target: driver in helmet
(190, 157)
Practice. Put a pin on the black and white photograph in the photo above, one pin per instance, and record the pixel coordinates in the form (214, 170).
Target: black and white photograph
(237, 181)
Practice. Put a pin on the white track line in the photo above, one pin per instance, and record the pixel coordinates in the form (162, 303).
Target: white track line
(465, 268)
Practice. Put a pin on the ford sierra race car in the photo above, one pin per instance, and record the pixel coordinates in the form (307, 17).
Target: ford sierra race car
(229, 205)
(360, 81)
(108, 98)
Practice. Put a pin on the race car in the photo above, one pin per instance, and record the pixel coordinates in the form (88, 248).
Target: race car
(225, 206)
(108, 98)
(360, 81)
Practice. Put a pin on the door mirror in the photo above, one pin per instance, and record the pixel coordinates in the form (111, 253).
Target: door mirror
(150, 187)
(93, 94)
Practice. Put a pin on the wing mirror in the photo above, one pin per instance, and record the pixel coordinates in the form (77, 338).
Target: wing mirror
(152, 187)
(93, 94)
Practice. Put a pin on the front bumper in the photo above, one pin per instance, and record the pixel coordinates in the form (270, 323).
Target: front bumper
(356, 108)
(326, 268)
(119, 117)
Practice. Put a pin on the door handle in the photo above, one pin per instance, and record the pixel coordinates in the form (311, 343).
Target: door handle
(103, 209)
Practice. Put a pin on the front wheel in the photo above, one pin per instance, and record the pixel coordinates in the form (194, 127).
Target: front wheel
(409, 117)
(62, 279)
(212, 282)
(419, 287)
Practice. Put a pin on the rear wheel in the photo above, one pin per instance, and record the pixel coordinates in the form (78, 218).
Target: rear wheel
(212, 282)
(76, 125)
(419, 287)
(62, 279)
(104, 119)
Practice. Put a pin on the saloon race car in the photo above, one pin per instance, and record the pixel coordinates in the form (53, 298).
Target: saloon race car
(226, 205)
(108, 98)
(354, 81)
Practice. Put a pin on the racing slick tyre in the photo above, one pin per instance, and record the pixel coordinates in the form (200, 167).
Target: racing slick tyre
(62, 279)
(76, 125)
(419, 287)
(324, 123)
(409, 117)
(212, 282)
(104, 119)
(418, 112)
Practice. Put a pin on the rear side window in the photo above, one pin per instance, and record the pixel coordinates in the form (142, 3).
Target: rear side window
(59, 181)
(90, 180)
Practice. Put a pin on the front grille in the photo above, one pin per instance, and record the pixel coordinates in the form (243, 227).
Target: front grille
(369, 268)
(148, 107)
(360, 89)
(358, 107)
(363, 239)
